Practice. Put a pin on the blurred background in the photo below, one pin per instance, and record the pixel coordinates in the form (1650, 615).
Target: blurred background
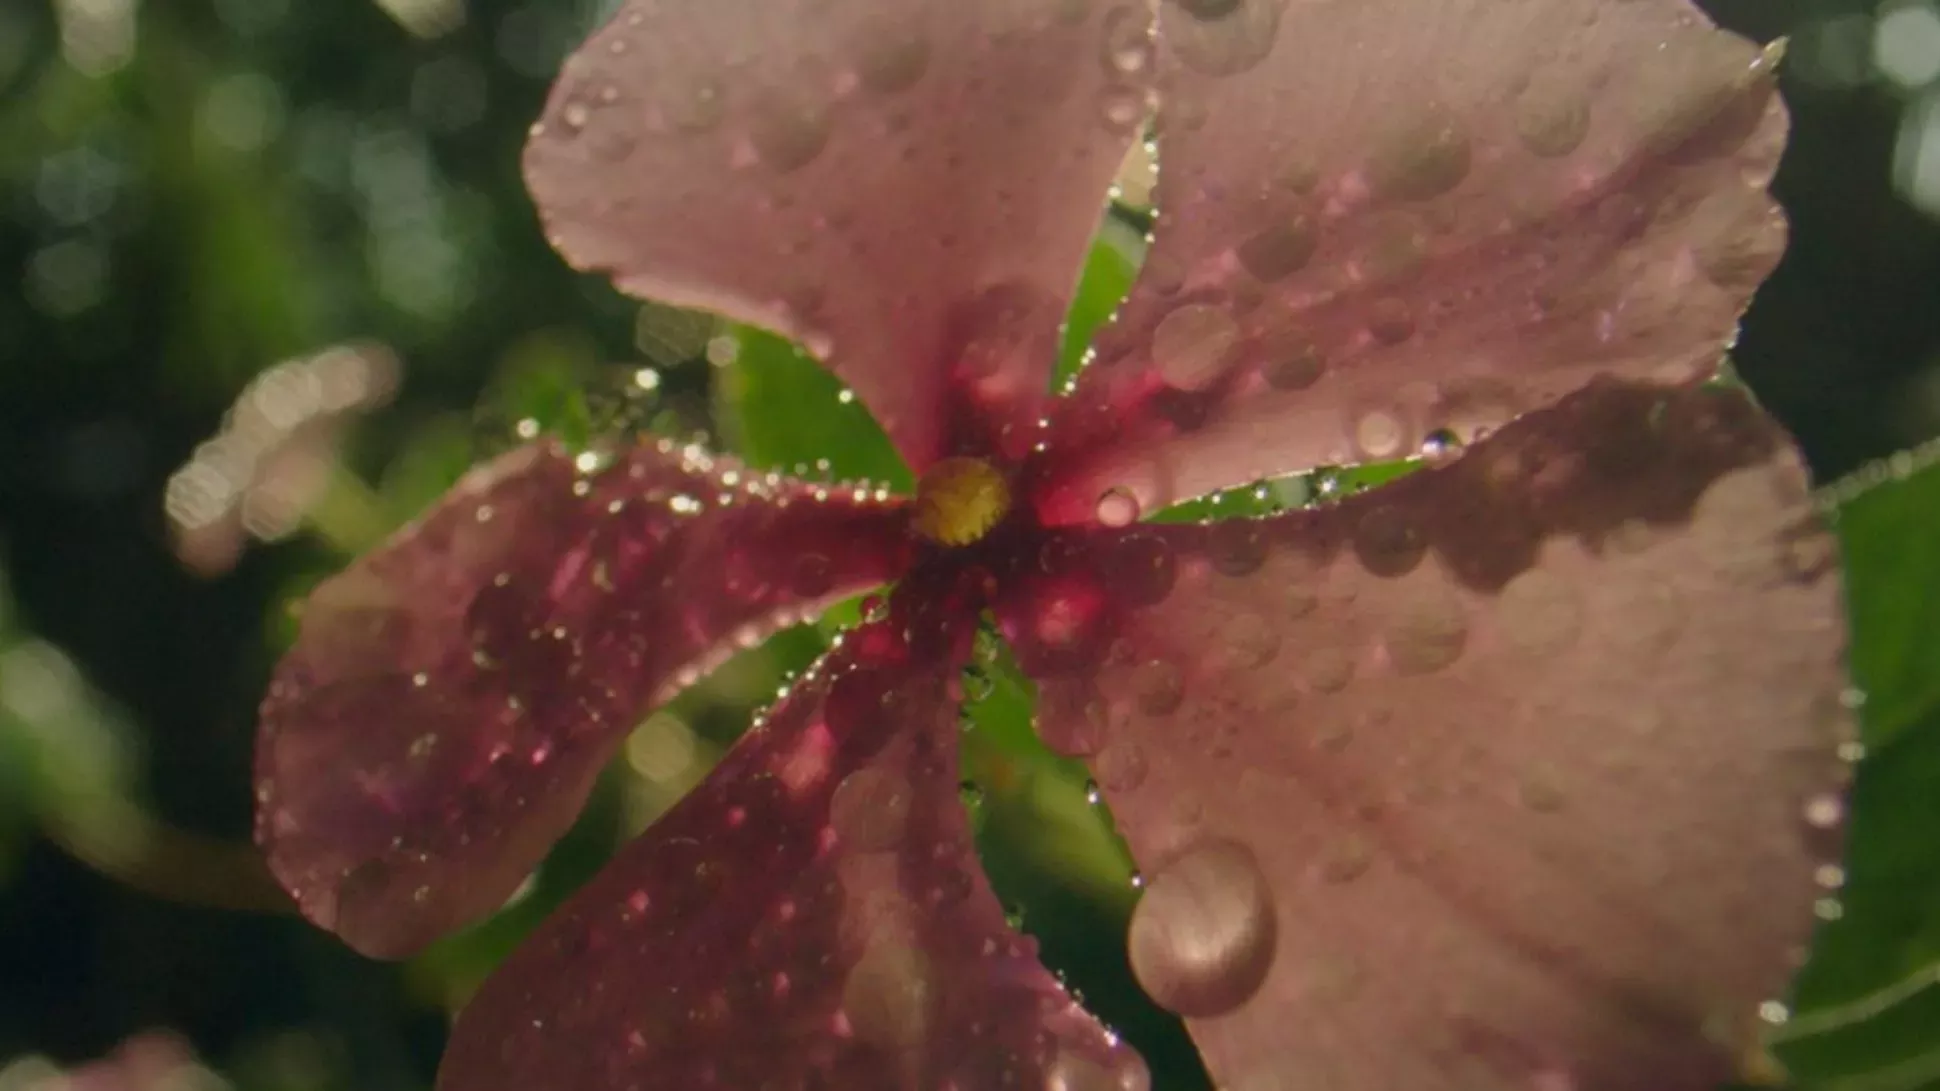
(272, 282)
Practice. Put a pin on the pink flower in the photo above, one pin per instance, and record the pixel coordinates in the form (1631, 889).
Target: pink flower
(1516, 772)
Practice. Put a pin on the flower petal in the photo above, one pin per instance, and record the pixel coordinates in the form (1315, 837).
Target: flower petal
(1513, 773)
(812, 916)
(452, 695)
(906, 186)
(1386, 219)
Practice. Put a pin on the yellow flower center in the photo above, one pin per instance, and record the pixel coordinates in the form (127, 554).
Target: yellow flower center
(959, 500)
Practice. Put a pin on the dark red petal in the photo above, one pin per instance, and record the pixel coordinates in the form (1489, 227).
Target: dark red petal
(1515, 773)
(905, 186)
(1385, 219)
(452, 695)
(812, 916)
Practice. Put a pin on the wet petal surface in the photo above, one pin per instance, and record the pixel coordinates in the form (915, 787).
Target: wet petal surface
(907, 187)
(453, 694)
(1522, 772)
(1387, 224)
(812, 916)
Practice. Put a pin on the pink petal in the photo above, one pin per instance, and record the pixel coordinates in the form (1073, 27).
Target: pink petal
(906, 186)
(1384, 219)
(1514, 773)
(452, 695)
(812, 916)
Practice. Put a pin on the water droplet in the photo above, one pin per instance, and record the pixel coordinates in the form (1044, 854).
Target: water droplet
(1327, 669)
(1825, 812)
(1117, 507)
(1092, 794)
(1224, 37)
(1202, 938)
(1158, 687)
(1390, 321)
(1539, 613)
(1128, 41)
(1429, 634)
(1388, 542)
(1280, 250)
(1291, 361)
(789, 136)
(1194, 345)
(1424, 157)
(1250, 642)
(1140, 569)
(1348, 859)
(696, 107)
(870, 808)
(1122, 109)
(1121, 766)
(895, 61)
(574, 116)
(1540, 793)
(1551, 122)
(1380, 435)
(1440, 445)
(1236, 547)
(887, 996)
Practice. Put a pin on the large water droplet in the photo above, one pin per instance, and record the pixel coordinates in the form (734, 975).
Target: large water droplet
(1140, 569)
(1236, 547)
(1071, 1071)
(1280, 250)
(1202, 938)
(1121, 766)
(1117, 507)
(1551, 122)
(1194, 345)
(1428, 634)
(870, 808)
(695, 107)
(789, 135)
(894, 60)
(1424, 157)
(1539, 613)
(1291, 361)
(1128, 41)
(1223, 37)
(1158, 687)
(1388, 542)
(887, 996)
(1250, 642)
(1122, 109)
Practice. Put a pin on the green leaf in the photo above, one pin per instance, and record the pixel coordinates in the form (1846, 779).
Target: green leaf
(782, 410)
(1869, 1001)
(1109, 271)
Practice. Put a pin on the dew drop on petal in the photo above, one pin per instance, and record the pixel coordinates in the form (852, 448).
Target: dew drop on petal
(895, 62)
(789, 136)
(1551, 122)
(1291, 362)
(1141, 569)
(1280, 250)
(1388, 542)
(1193, 345)
(1539, 613)
(1202, 937)
(1121, 766)
(1122, 109)
(1071, 1071)
(1117, 507)
(1236, 547)
(1158, 687)
(696, 107)
(887, 996)
(1428, 634)
(870, 808)
(1424, 157)
(1128, 41)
